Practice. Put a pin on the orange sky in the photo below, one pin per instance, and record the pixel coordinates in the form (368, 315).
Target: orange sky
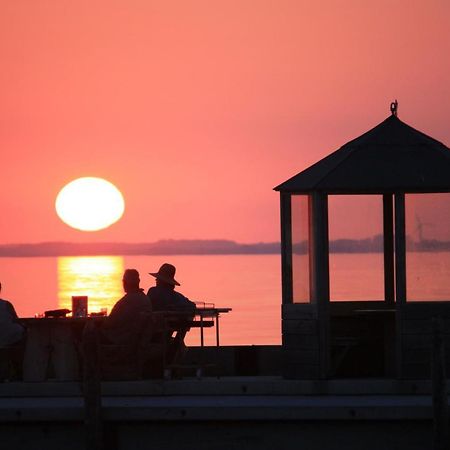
(197, 109)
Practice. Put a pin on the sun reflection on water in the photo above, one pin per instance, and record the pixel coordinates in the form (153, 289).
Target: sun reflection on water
(98, 277)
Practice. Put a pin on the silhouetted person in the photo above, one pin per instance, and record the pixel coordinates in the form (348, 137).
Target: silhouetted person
(12, 335)
(124, 331)
(163, 297)
(121, 326)
(11, 331)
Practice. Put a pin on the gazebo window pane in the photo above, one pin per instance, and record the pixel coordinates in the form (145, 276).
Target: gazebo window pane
(300, 249)
(427, 229)
(356, 247)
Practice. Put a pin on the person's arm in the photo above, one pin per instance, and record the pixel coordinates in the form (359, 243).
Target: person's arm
(184, 303)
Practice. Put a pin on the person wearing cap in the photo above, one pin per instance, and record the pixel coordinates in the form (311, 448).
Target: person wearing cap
(163, 296)
(120, 325)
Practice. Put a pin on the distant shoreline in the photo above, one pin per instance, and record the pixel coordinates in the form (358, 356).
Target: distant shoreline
(162, 247)
(203, 247)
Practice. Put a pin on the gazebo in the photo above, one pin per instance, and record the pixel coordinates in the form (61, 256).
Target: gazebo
(392, 165)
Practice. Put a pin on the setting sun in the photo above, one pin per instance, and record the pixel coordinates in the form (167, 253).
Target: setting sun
(89, 204)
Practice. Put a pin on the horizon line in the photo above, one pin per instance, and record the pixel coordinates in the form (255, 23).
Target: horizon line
(373, 244)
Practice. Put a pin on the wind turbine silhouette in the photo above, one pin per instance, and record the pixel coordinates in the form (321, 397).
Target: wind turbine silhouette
(419, 227)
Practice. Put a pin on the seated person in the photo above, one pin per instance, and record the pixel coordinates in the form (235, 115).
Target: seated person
(12, 336)
(124, 331)
(163, 297)
(11, 331)
(120, 326)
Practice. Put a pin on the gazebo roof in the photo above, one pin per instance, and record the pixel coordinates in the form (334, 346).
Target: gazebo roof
(390, 157)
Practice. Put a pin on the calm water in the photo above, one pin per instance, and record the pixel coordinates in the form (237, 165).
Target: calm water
(250, 284)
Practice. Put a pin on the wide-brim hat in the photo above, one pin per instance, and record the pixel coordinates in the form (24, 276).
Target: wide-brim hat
(166, 273)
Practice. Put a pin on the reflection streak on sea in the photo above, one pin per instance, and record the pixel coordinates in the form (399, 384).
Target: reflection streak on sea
(98, 277)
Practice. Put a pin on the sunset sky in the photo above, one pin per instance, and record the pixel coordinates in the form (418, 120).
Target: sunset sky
(195, 110)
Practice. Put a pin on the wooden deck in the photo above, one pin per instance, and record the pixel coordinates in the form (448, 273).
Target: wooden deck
(219, 413)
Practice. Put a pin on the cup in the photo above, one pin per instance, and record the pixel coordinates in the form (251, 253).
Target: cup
(79, 306)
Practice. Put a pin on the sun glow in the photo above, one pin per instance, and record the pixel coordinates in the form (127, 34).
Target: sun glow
(98, 277)
(89, 204)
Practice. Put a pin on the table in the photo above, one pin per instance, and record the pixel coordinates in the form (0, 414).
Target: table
(53, 343)
(214, 313)
(183, 321)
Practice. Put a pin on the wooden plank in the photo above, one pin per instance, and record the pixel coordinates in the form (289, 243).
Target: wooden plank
(416, 326)
(423, 357)
(422, 341)
(426, 311)
(423, 326)
(416, 371)
(300, 326)
(298, 311)
(300, 341)
(417, 356)
(308, 357)
(346, 308)
(301, 372)
(414, 341)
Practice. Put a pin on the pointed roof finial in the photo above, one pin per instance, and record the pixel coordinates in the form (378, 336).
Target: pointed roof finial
(394, 107)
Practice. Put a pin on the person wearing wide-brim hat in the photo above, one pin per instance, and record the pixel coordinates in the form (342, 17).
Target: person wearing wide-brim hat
(163, 296)
(166, 274)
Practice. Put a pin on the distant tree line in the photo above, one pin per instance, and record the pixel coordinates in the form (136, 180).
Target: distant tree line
(205, 247)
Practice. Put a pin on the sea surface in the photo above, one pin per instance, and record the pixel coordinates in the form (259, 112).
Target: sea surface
(250, 284)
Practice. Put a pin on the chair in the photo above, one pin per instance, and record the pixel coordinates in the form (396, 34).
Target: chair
(11, 362)
(151, 353)
(134, 360)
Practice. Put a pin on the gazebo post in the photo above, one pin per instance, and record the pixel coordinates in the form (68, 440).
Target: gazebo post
(400, 248)
(286, 248)
(400, 271)
(320, 285)
(388, 244)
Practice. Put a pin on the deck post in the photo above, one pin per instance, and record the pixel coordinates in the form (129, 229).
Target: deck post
(92, 388)
(439, 388)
